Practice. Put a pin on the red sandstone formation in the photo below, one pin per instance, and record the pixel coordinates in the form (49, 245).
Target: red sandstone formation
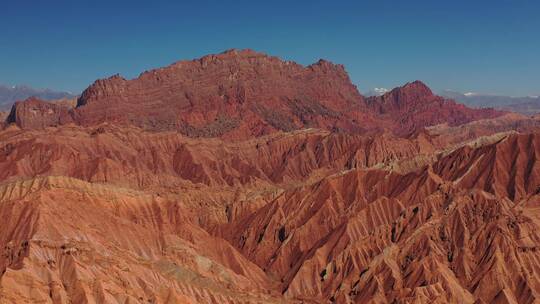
(34, 113)
(413, 106)
(236, 94)
(241, 94)
(441, 234)
(242, 178)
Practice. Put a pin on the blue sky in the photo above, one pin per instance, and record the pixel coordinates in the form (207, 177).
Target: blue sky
(484, 46)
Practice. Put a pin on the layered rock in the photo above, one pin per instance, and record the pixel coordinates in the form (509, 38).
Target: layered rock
(236, 94)
(437, 235)
(168, 162)
(242, 94)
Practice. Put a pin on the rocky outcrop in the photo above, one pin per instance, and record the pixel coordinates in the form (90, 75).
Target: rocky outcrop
(34, 113)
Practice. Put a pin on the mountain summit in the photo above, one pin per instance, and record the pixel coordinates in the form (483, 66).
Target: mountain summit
(240, 94)
(414, 106)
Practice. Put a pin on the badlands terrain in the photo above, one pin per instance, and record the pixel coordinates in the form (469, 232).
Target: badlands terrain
(243, 178)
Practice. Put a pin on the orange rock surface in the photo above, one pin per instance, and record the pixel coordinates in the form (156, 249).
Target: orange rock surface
(143, 193)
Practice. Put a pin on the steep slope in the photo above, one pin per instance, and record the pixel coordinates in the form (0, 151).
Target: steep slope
(507, 168)
(136, 158)
(305, 214)
(63, 253)
(210, 173)
(379, 236)
(65, 240)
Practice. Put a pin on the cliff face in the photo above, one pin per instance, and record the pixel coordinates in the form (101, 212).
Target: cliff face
(242, 178)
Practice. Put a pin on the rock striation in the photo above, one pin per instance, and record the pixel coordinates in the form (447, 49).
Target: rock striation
(241, 94)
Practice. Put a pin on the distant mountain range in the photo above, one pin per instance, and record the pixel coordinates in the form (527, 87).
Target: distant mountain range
(525, 105)
(10, 94)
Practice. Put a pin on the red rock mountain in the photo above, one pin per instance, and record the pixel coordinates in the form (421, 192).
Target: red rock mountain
(414, 106)
(241, 94)
(242, 178)
(236, 94)
(34, 113)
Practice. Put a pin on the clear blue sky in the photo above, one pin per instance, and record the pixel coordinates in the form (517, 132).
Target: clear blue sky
(485, 46)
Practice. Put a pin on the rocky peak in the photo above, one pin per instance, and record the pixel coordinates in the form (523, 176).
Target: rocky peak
(242, 53)
(402, 97)
(238, 90)
(326, 66)
(413, 106)
(416, 87)
(102, 88)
